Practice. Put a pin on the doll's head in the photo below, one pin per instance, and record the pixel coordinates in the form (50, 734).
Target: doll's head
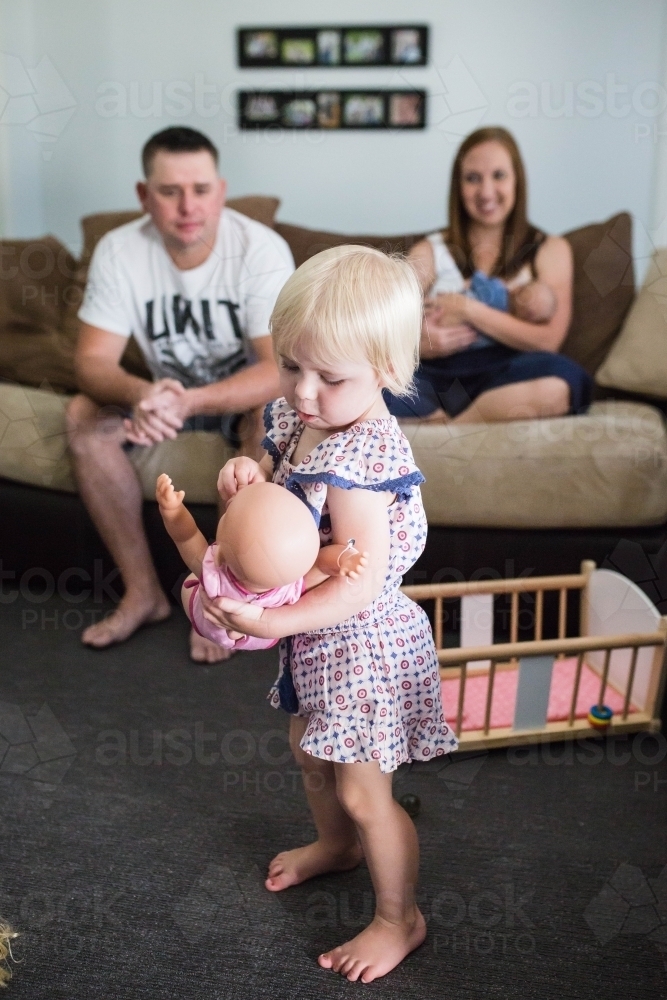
(267, 537)
(354, 304)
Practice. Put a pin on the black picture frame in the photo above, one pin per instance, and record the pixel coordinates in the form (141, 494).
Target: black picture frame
(339, 46)
(332, 109)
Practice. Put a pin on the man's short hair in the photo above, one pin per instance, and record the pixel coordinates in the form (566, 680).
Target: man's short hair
(177, 139)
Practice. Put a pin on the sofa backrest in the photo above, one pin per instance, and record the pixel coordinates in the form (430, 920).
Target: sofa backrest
(39, 299)
(603, 277)
(260, 207)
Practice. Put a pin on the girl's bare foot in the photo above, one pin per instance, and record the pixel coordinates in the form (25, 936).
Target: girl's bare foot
(377, 950)
(202, 650)
(292, 867)
(130, 615)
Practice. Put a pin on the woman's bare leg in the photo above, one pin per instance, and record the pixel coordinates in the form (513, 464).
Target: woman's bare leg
(537, 398)
(337, 847)
(389, 841)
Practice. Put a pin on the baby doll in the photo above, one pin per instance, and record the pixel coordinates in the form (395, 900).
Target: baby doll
(267, 552)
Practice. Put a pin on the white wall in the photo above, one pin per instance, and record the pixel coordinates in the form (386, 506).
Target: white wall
(594, 158)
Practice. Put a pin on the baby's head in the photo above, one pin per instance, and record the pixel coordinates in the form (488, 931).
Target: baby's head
(534, 303)
(267, 537)
(347, 307)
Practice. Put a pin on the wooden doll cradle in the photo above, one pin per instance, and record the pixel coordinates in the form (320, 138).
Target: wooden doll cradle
(499, 694)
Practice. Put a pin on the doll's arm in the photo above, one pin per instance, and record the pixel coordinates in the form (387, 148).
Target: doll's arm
(336, 560)
(180, 524)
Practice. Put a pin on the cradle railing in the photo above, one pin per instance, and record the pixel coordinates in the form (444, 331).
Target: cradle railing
(620, 658)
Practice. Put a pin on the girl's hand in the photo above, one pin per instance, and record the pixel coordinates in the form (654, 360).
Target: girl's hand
(166, 495)
(235, 616)
(237, 473)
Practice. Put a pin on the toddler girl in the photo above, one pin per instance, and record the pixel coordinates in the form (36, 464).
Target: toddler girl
(358, 666)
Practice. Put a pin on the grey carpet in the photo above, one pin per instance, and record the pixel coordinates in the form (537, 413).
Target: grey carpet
(141, 805)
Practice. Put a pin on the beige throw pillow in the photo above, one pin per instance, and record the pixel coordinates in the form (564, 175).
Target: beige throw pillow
(637, 361)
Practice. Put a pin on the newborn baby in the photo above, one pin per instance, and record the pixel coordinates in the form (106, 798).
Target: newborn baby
(534, 302)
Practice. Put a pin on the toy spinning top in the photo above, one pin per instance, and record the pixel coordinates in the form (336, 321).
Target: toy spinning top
(599, 716)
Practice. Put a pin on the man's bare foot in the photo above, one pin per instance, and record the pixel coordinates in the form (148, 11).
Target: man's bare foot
(377, 950)
(202, 650)
(292, 867)
(130, 615)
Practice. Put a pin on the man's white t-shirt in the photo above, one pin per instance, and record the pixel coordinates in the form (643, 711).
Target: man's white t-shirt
(198, 325)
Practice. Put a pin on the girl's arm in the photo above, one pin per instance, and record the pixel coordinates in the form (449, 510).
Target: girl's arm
(357, 513)
(180, 524)
(554, 267)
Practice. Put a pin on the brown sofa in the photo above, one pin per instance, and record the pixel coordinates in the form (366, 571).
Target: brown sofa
(602, 475)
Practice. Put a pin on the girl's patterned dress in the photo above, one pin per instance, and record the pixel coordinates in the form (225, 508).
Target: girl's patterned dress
(370, 685)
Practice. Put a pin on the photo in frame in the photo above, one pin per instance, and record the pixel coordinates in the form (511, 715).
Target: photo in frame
(335, 45)
(332, 109)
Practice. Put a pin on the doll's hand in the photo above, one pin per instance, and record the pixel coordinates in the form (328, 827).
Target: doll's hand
(237, 473)
(166, 495)
(352, 563)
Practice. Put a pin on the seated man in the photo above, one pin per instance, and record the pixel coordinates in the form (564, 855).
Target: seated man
(196, 285)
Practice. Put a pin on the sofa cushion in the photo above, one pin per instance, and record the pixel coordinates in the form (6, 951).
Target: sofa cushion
(33, 449)
(603, 288)
(607, 468)
(39, 292)
(637, 361)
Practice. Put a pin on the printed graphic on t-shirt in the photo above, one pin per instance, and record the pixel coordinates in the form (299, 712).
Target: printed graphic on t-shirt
(197, 342)
(195, 325)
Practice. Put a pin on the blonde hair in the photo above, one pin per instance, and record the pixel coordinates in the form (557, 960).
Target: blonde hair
(353, 302)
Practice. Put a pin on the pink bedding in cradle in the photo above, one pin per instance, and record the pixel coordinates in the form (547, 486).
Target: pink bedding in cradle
(504, 696)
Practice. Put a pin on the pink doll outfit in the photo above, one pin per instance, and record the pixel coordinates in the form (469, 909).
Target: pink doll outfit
(369, 686)
(219, 581)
